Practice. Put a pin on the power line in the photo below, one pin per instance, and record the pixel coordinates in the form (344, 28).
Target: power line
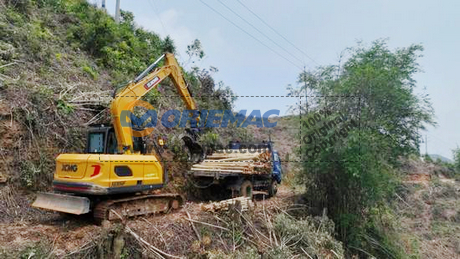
(270, 39)
(157, 14)
(279, 34)
(234, 24)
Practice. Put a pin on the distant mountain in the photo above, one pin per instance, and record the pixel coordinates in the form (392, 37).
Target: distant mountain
(434, 157)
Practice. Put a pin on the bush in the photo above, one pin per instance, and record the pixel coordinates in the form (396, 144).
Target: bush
(36, 173)
(90, 71)
(456, 165)
(121, 47)
(315, 236)
(354, 155)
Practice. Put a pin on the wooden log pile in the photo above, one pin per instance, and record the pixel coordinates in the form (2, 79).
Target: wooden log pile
(240, 203)
(236, 162)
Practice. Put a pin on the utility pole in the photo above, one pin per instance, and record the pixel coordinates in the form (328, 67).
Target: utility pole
(306, 88)
(426, 145)
(117, 12)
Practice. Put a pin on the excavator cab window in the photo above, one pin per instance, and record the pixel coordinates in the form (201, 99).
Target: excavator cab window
(101, 140)
(96, 142)
(112, 143)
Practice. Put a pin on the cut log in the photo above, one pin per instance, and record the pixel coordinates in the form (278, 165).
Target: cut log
(217, 170)
(246, 163)
(242, 203)
(2, 178)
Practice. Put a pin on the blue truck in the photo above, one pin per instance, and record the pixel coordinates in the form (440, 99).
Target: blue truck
(220, 173)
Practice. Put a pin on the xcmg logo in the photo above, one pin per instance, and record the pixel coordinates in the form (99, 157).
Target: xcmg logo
(144, 125)
(68, 168)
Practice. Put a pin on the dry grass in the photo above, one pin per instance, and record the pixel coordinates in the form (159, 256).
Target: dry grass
(429, 217)
(272, 229)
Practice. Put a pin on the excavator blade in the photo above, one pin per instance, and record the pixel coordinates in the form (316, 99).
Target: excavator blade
(63, 203)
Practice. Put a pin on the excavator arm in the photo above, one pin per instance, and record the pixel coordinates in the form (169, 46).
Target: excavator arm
(145, 82)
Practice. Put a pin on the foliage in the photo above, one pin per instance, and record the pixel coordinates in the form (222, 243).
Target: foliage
(122, 47)
(64, 107)
(90, 71)
(35, 170)
(39, 250)
(168, 45)
(59, 53)
(195, 50)
(350, 166)
(457, 160)
(290, 236)
(210, 139)
(313, 236)
(427, 158)
(209, 95)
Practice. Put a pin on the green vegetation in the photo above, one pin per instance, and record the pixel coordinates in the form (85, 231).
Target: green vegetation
(281, 235)
(55, 55)
(456, 165)
(61, 61)
(353, 172)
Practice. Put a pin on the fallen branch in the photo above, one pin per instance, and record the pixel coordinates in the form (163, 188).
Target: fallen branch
(6, 65)
(207, 224)
(309, 256)
(85, 246)
(159, 232)
(193, 226)
(156, 251)
(255, 230)
(9, 77)
(96, 117)
(399, 197)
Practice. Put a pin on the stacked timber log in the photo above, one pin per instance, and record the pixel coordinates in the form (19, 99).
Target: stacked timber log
(240, 203)
(237, 161)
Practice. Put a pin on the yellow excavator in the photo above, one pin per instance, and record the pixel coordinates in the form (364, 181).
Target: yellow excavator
(116, 175)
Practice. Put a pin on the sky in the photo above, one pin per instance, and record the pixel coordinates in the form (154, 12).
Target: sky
(321, 30)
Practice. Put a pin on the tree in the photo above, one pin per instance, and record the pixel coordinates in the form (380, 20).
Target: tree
(457, 160)
(168, 45)
(195, 50)
(354, 135)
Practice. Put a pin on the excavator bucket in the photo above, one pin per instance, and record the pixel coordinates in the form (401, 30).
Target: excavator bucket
(63, 203)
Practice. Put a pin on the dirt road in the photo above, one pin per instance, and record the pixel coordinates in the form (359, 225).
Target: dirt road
(68, 234)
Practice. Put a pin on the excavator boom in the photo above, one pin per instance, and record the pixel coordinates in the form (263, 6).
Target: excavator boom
(125, 99)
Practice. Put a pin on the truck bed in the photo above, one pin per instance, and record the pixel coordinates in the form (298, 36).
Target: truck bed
(225, 163)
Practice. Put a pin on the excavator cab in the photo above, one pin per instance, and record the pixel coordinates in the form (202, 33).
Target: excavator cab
(101, 139)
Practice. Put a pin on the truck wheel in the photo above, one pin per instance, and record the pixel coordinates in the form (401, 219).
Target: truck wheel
(246, 189)
(273, 189)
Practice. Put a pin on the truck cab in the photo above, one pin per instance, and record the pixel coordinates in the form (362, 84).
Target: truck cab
(277, 169)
